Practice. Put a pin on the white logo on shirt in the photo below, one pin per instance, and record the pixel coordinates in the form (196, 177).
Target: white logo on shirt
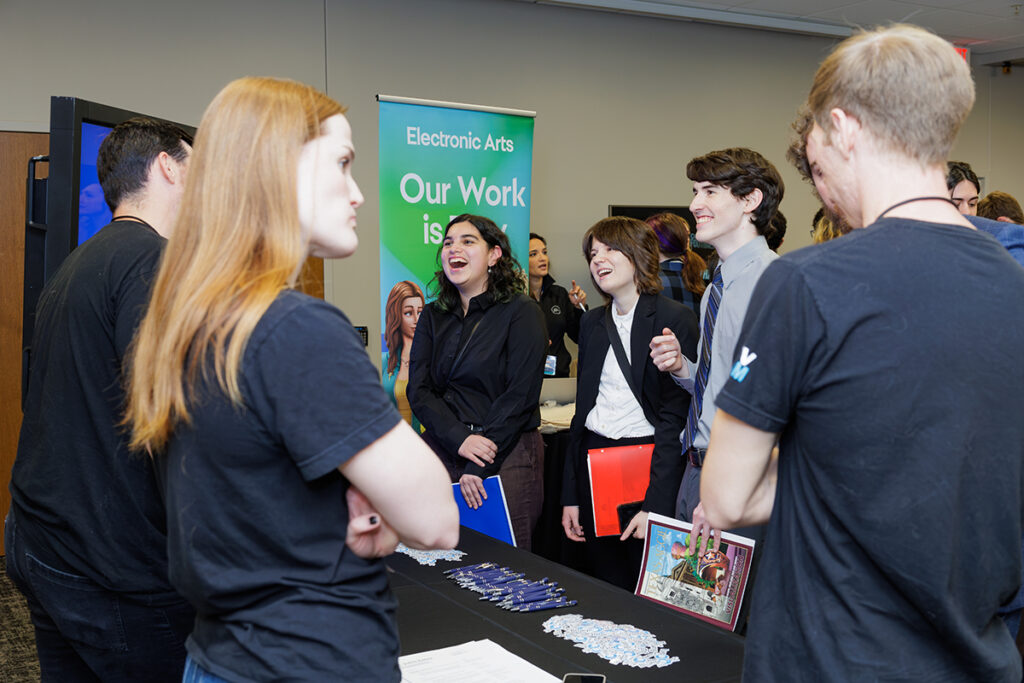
(741, 368)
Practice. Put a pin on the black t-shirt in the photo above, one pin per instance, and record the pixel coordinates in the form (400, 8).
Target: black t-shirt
(81, 499)
(889, 360)
(561, 318)
(484, 369)
(257, 515)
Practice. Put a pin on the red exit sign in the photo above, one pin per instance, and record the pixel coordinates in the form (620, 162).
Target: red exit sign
(964, 52)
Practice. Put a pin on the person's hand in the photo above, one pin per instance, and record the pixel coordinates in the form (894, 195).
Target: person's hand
(368, 535)
(577, 295)
(473, 490)
(667, 355)
(636, 528)
(702, 529)
(478, 449)
(571, 523)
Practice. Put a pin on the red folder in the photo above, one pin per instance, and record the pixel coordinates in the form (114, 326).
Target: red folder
(617, 475)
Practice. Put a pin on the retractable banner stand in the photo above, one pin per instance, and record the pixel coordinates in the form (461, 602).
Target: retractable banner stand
(439, 160)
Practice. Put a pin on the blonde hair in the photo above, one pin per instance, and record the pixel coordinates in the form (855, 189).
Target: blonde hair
(236, 244)
(828, 228)
(905, 85)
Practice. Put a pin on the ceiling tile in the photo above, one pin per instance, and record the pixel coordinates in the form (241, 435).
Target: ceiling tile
(794, 8)
(996, 8)
(986, 25)
(954, 23)
(873, 13)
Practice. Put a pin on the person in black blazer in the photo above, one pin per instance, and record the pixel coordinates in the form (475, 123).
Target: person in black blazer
(623, 257)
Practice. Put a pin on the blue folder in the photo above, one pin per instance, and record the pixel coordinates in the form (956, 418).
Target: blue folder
(492, 517)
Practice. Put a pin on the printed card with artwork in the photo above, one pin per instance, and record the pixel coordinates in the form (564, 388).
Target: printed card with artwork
(709, 587)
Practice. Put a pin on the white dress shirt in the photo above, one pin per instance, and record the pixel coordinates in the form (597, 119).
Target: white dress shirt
(616, 413)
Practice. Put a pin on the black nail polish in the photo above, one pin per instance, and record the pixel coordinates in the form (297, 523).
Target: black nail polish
(374, 520)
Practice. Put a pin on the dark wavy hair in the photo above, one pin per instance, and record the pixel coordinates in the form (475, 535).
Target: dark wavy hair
(674, 240)
(403, 289)
(505, 278)
(777, 233)
(742, 170)
(637, 241)
(959, 171)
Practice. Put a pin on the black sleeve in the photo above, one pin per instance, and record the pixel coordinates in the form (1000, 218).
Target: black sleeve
(426, 397)
(573, 315)
(782, 341)
(574, 447)
(667, 463)
(133, 297)
(326, 401)
(510, 413)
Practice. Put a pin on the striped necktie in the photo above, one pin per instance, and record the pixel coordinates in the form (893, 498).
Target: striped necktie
(704, 366)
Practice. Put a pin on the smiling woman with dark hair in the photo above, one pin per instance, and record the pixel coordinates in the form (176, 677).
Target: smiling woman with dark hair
(477, 366)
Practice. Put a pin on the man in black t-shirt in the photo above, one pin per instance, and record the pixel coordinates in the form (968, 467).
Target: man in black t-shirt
(86, 535)
(885, 364)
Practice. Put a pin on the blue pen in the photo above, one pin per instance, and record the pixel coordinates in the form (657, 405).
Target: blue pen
(533, 595)
(467, 567)
(533, 599)
(546, 605)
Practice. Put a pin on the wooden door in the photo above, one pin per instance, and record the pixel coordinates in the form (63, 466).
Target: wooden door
(15, 151)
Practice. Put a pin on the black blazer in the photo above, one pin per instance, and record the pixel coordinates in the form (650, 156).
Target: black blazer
(664, 403)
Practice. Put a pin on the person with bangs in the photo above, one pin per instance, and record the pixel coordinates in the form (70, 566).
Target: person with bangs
(401, 314)
(736, 193)
(622, 399)
(476, 371)
(264, 415)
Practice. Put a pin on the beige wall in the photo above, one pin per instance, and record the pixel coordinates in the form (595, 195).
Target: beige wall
(622, 102)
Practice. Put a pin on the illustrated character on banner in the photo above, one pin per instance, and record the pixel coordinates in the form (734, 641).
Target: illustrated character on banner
(402, 312)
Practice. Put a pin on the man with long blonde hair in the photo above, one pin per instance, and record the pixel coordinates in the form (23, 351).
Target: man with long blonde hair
(885, 366)
(86, 536)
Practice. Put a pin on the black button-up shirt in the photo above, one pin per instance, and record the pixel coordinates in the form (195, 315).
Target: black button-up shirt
(495, 383)
(562, 318)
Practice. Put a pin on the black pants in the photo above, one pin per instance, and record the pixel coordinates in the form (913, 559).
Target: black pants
(522, 478)
(85, 633)
(608, 558)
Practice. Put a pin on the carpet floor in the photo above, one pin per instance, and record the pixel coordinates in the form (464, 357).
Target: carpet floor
(18, 661)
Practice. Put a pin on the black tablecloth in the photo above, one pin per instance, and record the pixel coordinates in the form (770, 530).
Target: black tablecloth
(434, 612)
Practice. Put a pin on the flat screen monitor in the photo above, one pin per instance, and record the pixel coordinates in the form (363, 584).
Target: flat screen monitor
(93, 212)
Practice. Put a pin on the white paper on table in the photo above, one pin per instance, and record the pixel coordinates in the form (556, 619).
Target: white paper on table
(480, 661)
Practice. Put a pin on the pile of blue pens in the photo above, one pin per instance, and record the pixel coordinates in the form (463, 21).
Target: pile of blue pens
(509, 590)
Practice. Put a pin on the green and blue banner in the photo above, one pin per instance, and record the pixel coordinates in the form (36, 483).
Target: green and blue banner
(438, 160)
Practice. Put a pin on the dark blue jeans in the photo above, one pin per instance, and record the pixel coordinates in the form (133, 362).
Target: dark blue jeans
(197, 674)
(87, 633)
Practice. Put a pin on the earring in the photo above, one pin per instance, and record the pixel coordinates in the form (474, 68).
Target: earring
(488, 270)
